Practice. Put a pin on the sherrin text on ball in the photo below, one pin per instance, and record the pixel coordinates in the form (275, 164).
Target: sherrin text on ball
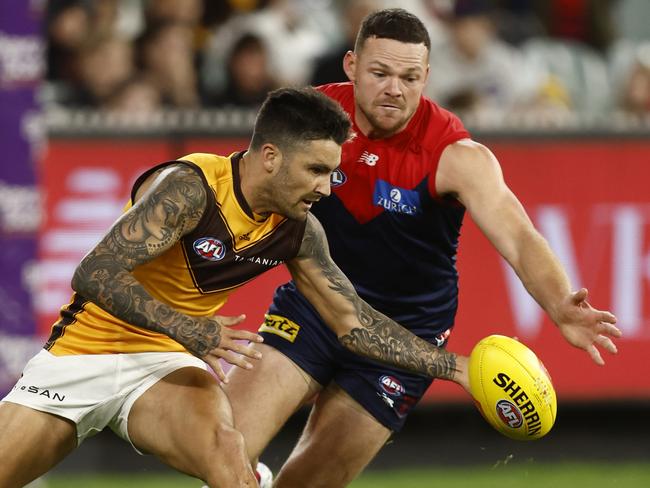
(512, 388)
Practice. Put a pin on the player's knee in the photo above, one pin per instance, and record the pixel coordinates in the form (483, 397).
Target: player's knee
(226, 436)
(223, 442)
(224, 458)
(228, 466)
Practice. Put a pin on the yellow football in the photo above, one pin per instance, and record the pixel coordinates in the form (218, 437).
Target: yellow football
(512, 388)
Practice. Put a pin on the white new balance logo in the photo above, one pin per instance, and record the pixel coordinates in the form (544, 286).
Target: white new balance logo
(368, 158)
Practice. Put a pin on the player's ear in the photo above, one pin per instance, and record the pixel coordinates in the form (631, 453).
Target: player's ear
(350, 65)
(271, 157)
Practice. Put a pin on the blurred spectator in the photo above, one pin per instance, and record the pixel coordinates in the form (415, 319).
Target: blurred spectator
(295, 37)
(101, 66)
(295, 33)
(476, 70)
(248, 77)
(630, 70)
(81, 33)
(430, 12)
(129, 18)
(518, 20)
(632, 19)
(104, 18)
(329, 68)
(169, 11)
(586, 21)
(217, 13)
(68, 27)
(580, 70)
(166, 54)
(241, 49)
(636, 97)
(138, 95)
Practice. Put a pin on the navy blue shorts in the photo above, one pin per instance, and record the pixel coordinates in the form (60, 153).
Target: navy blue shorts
(293, 327)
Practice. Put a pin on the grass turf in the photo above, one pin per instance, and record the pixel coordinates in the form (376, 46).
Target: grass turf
(532, 475)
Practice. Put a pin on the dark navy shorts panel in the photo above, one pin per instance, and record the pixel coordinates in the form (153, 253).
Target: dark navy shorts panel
(312, 354)
(387, 393)
(311, 348)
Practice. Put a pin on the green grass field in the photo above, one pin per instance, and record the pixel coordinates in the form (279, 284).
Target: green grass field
(533, 475)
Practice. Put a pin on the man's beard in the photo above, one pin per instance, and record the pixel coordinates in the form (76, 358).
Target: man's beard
(377, 129)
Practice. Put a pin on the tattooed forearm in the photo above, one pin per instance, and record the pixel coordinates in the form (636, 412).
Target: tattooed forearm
(172, 207)
(378, 337)
(104, 281)
(384, 340)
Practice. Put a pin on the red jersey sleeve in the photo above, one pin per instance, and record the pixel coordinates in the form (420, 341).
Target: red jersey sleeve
(450, 129)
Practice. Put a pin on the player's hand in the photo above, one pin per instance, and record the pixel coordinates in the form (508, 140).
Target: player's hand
(231, 345)
(585, 327)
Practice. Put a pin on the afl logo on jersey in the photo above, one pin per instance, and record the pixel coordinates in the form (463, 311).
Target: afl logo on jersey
(391, 385)
(338, 178)
(210, 248)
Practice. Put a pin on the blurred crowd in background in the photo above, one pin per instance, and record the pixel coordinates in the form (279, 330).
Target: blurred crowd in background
(510, 56)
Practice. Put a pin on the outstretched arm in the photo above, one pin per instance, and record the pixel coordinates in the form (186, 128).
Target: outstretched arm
(471, 173)
(359, 327)
(169, 205)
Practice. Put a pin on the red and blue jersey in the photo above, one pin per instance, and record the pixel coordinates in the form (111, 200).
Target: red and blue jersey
(388, 230)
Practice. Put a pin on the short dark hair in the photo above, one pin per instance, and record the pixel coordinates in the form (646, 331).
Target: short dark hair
(393, 23)
(291, 116)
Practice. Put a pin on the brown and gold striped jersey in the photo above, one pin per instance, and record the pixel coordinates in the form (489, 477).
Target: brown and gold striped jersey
(229, 247)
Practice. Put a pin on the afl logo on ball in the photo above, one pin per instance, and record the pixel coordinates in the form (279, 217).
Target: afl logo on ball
(210, 248)
(509, 414)
(391, 385)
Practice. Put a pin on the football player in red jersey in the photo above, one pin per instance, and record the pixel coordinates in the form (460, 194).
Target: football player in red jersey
(393, 223)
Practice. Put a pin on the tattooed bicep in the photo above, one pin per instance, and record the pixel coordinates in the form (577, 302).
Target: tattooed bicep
(316, 262)
(170, 207)
(314, 242)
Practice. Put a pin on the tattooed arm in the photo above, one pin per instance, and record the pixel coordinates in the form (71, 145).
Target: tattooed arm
(359, 327)
(169, 204)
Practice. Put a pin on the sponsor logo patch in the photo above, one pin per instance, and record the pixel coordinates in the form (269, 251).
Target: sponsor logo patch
(442, 338)
(337, 178)
(391, 385)
(209, 248)
(368, 158)
(387, 400)
(281, 326)
(509, 414)
(396, 199)
(37, 390)
(258, 260)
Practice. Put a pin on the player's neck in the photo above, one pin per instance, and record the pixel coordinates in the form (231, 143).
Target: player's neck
(251, 187)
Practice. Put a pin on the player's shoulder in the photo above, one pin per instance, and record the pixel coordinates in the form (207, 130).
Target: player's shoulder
(341, 92)
(212, 167)
(200, 158)
(436, 118)
(436, 125)
(208, 160)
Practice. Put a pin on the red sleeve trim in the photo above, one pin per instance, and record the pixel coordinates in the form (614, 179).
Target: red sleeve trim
(450, 139)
